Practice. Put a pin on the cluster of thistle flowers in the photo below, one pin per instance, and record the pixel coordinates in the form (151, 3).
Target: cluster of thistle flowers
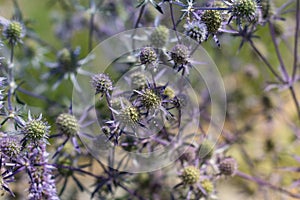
(202, 22)
(148, 108)
(23, 149)
(201, 167)
(25, 153)
(141, 109)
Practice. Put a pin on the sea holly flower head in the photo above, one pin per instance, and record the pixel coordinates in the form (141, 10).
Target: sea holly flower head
(180, 54)
(101, 83)
(14, 31)
(212, 19)
(243, 10)
(35, 130)
(129, 115)
(207, 185)
(190, 175)
(150, 99)
(228, 166)
(10, 146)
(159, 37)
(196, 30)
(67, 124)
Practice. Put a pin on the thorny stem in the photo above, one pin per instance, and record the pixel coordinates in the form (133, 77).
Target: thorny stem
(265, 183)
(296, 40)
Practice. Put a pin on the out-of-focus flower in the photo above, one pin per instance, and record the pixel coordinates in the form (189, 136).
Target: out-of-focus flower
(228, 166)
(159, 37)
(67, 66)
(138, 80)
(190, 175)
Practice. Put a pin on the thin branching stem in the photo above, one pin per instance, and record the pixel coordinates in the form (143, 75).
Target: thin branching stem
(173, 21)
(262, 182)
(137, 24)
(10, 79)
(91, 25)
(296, 41)
(263, 58)
(293, 93)
(282, 65)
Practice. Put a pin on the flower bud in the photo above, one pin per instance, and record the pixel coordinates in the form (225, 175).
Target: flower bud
(212, 20)
(159, 37)
(148, 56)
(101, 83)
(67, 124)
(228, 166)
(190, 175)
(180, 54)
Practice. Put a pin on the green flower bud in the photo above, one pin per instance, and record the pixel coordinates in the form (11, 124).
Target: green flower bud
(212, 20)
(14, 32)
(206, 150)
(266, 8)
(159, 37)
(190, 175)
(130, 115)
(150, 99)
(67, 124)
(208, 186)
(36, 130)
(169, 92)
(244, 9)
(64, 59)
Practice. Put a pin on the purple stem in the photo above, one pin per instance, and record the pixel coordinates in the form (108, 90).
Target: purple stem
(267, 184)
(296, 40)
